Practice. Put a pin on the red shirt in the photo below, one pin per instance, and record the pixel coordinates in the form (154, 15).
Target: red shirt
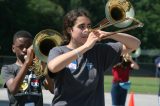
(121, 74)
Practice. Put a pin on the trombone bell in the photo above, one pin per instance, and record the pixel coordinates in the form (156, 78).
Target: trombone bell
(119, 13)
(119, 10)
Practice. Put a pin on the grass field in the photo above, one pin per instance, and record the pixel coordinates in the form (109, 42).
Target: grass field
(142, 85)
(1, 81)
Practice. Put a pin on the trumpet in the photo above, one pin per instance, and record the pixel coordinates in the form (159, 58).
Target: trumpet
(119, 13)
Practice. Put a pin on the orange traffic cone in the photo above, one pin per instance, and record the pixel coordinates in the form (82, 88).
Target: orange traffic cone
(131, 100)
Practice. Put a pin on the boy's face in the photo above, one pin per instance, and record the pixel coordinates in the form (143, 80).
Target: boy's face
(20, 47)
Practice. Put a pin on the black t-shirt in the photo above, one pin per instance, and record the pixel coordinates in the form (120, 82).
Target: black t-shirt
(81, 83)
(30, 90)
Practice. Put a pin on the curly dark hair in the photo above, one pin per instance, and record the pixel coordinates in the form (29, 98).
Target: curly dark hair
(69, 21)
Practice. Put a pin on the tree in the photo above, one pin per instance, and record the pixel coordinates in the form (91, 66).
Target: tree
(148, 12)
(36, 15)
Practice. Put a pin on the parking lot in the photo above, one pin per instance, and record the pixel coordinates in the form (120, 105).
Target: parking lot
(139, 99)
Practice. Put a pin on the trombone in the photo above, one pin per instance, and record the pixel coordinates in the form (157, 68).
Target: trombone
(119, 13)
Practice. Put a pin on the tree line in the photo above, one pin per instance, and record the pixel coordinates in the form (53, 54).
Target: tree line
(36, 15)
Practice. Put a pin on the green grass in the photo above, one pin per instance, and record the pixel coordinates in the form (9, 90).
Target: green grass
(1, 81)
(142, 85)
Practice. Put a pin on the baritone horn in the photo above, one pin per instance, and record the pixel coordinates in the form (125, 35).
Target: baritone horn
(42, 43)
(119, 13)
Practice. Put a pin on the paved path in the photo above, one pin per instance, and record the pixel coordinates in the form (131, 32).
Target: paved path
(139, 99)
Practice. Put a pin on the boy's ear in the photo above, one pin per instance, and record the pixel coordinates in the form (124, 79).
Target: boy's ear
(13, 48)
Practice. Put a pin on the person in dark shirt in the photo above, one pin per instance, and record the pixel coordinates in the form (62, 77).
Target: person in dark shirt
(78, 66)
(157, 63)
(23, 86)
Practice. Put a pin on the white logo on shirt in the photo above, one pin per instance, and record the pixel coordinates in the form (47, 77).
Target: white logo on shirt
(72, 66)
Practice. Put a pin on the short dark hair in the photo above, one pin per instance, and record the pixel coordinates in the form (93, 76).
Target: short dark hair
(22, 33)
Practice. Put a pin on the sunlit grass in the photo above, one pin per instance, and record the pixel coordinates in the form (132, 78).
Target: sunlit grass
(144, 85)
(1, 81)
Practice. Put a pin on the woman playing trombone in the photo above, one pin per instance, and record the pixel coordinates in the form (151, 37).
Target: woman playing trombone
(78, 66)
